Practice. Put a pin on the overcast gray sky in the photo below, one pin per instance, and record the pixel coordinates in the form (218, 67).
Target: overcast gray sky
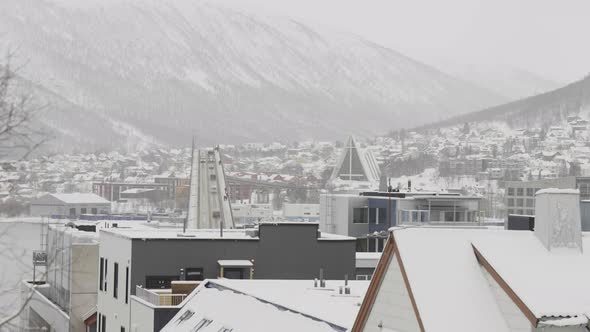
(547, 37)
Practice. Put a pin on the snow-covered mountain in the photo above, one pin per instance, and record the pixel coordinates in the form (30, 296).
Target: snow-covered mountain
(163, 71)
(542, 110)
(513, 83)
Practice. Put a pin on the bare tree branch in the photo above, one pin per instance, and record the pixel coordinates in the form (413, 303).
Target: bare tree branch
(20, 132)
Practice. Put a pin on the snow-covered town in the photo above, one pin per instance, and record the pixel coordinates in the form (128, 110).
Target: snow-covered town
(325, 166)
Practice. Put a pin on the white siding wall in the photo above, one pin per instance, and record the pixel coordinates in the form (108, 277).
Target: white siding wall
(115, 249)
(392, 308)
(142, 316)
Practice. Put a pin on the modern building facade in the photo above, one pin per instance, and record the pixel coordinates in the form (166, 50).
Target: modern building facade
(485, 280)
(369, 215)
(520, 195)
(154, 258)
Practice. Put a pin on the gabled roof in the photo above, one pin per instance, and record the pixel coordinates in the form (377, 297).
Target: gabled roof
(447, 275)
(77, 198)
(356, 164)
(268, 305)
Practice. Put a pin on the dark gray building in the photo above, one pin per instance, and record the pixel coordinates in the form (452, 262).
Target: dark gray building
(154, 257)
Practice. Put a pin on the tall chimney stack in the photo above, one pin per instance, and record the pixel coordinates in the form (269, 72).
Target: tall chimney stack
(557, 219)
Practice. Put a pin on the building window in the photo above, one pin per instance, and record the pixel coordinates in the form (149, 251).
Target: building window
(519, 191)
(103, 324)
(122, 329)
(530, 192)
(159, 282)
(381, 216)
(116, 280)
(372, 216)
(127, 284)
(449, 216)
(83, 211)
(380, 245)
(510, 202)
(359, 215)
(94, 210)
(530, 202)
(519, 202)
(106, 267)
(510, 191)
(72, 212)
(372, 244)
(194, 273)
(101, 275)
(98, 322)
(361, 245)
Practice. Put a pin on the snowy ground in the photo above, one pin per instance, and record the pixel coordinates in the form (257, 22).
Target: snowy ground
(18, 239)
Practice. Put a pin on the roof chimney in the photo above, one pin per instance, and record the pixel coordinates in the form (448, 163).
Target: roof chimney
(557, 219)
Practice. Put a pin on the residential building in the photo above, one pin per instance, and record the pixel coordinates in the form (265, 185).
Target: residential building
(301, 212)
(244, 214)
(65, 298)
(69, 205)
(153, 258)
(369, 215)
(485, 279)
(520, 195)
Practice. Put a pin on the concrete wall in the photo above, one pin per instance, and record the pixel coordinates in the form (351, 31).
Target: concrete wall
(142, 314)
(83, 289)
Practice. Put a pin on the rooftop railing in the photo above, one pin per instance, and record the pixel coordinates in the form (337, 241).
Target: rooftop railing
(159, 297)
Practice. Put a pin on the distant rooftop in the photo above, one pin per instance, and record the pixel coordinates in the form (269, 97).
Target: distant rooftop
(80, 198)
(200, 234)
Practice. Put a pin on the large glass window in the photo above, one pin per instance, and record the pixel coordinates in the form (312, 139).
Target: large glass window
(519, 191)
(372, 216)
(373, 245)
(116, 281)
(530, 191)
(101, 274)
(380, 245)
(359, 215)
(127, 284)
(361, 245)
(382, 216)
(405, 216)
(510, 191)
(449, 216)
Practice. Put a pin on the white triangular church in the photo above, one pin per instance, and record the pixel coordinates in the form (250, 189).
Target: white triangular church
(356, 164)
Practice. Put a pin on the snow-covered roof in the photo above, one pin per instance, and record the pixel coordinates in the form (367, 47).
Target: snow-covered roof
(442, 264)
(278, 305)
(235, 263)
(81, 198)
(550, 283)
